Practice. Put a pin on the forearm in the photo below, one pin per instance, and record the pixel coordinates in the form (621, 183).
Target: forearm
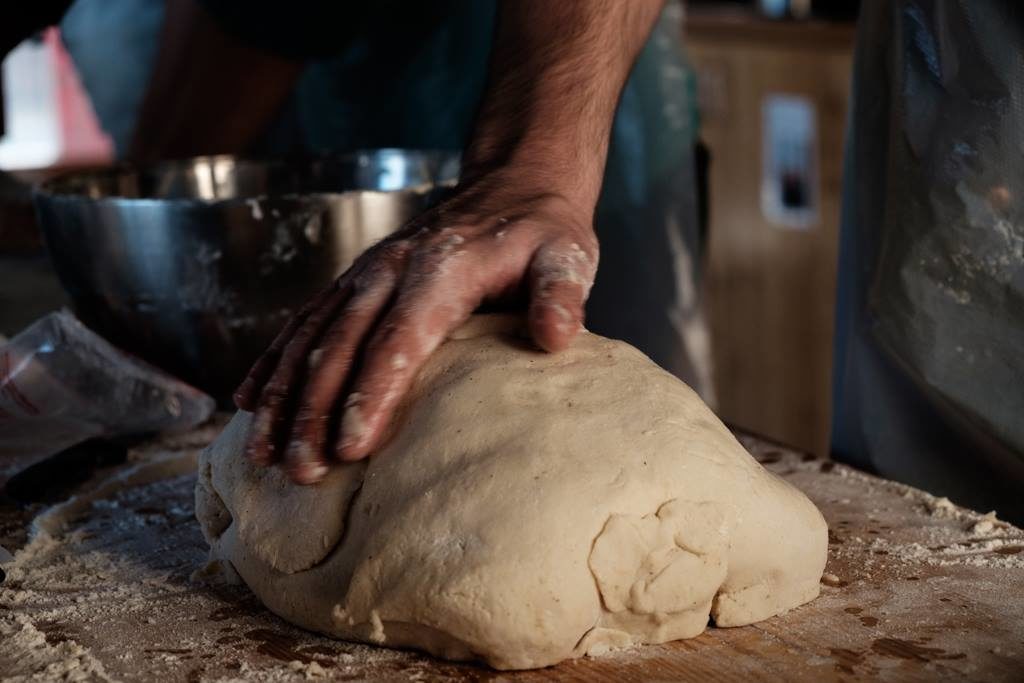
(556, 74)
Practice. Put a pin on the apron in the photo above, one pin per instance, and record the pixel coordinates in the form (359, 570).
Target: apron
(412, 76)
(929, 364)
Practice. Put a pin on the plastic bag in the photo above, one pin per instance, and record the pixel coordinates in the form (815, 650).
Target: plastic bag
(61, 383)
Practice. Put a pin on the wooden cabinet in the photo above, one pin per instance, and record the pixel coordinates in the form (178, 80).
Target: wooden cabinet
(771, 289)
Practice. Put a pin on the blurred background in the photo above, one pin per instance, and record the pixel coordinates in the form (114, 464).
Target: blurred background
(773, 88)
(773, 83)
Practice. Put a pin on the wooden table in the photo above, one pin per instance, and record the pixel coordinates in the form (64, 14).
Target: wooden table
(915, 589)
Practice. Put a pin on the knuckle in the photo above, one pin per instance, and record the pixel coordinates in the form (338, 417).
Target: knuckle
(395, 249)
(563, 268)
(440, 246)
(386, 254)
(377, 273)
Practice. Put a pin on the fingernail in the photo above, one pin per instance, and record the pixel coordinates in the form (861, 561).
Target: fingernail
(260, 446)
(300, 453)
(309, 473)
(353, 426)
(302, 464)
(260, 456)
(241, 395)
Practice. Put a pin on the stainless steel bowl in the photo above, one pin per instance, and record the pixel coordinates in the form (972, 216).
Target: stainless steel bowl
(195, 265)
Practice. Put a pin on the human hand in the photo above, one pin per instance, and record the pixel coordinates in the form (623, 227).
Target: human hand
(360, 343)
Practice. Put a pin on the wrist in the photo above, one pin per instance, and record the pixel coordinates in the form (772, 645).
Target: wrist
(538, 167)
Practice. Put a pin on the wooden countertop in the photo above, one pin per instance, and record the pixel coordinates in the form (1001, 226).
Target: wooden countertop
(915, 589)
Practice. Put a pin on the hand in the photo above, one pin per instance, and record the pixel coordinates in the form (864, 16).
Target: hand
(359, 344)
(519, 229)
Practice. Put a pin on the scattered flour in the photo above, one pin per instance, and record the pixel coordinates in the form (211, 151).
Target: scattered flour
(111, 586)
(38, 660)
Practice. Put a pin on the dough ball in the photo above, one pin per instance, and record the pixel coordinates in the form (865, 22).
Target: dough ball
(529, 507)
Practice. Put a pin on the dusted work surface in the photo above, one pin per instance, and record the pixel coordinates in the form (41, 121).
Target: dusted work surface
(915, 588)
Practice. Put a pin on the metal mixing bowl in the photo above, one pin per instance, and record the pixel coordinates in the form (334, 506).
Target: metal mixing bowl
(195, 265)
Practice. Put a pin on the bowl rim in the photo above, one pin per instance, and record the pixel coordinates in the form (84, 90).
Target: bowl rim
(52, 189)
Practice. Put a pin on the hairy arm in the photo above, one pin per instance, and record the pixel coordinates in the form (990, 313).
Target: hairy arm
(518, 231)
(556, 74)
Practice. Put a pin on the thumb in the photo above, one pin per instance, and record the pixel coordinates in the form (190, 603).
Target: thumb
(560, 277)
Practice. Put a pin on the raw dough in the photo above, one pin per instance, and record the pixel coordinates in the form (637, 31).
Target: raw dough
(530, 507)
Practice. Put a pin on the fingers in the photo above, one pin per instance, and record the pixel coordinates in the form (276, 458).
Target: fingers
(248, 392)
(429, 306)
(560, 277)
(306, 457)
(268, 431)
(398, 304)
(396, 353)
